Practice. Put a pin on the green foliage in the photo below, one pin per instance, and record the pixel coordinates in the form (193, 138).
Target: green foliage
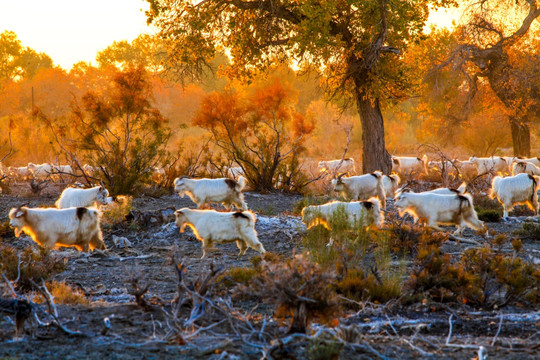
(362, 259)
(529, 230)
(18, 62)
(309, 200)
(28, 265)
(489, 215)
(238, 275)
(324, 348)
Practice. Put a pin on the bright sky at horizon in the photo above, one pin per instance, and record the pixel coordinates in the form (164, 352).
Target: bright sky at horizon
(70, 31)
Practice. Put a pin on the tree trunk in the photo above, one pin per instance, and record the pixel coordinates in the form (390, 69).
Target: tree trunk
(521, 138)
(374, 154)
(300, 320)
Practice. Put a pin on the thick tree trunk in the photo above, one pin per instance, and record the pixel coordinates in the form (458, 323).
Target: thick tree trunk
(374, 154)
(521, 138)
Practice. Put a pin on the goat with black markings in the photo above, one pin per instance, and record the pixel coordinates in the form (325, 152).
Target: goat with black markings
(201, 191)
(52, 228)
(361, 187)
(438, 209)
(515, 190)
(210, 226)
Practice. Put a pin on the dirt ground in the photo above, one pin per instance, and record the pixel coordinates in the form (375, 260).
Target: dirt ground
(422, 331)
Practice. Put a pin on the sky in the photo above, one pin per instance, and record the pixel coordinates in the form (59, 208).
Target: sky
(70, 31)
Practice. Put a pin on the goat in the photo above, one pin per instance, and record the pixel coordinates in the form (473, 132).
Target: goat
(210, 226)
(74, 197)
(40, 171)
(534, 160)
(467, 169)
(358, 213)
(235, 172)
(490, 165)
(54, 228)
(390, 184)
(437, 209)
(406, 165)
(515, 190)
(335, 167)
(523, 167)
(202, 191)
(361, 187)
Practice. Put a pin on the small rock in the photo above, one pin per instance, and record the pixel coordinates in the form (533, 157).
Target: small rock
(121, 242)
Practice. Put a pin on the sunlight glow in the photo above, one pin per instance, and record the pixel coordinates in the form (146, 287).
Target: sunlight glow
(71, 31)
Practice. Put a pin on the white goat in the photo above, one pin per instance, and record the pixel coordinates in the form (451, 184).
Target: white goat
(361, 187)
(210, 227)
(74, 197)
(202, 191)
(515, 190)
(334, 167)
(53, 228)
(522, 167)
(66, 169)
(449, 191)
(390, 184)
(534, 160)
(40, 171)
(467, 169)
(437, 209)
(358, 213)
(492, 164)
(406, 165)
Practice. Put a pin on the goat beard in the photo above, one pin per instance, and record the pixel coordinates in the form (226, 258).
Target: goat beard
(18, 231)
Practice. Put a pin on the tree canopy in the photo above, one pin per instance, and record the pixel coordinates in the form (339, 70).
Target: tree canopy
(355, 45)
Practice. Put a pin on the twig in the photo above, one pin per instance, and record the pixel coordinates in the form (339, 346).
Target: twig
(498, 331)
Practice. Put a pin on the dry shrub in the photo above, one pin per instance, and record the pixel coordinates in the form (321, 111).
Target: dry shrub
(29, 265)
(484, 276)
(63, 294)
(299, 287)
(117, 211)
(362, 259)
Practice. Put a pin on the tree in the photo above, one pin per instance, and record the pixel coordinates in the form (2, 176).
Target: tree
(118, 130)
(353, 43)
(492, 47)
(262, 131)
(18, 62)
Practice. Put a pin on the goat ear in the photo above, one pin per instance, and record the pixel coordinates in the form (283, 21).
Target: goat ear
(19, 213)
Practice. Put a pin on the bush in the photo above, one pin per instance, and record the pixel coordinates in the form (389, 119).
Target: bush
(489, 215)
(484, 276)
(529, 230)
(116, 212)
(299, 288)
(35, 264)
(63, 294)
(362, 259)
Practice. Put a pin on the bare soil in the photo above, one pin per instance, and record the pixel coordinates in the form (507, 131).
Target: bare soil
(419, 331)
